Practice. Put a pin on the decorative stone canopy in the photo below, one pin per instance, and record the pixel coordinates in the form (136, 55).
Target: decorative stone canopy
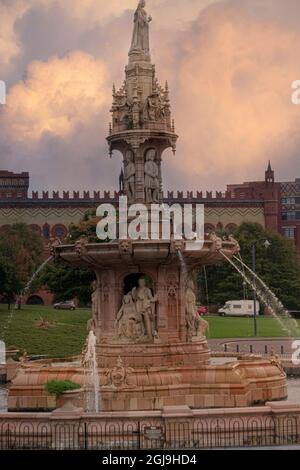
(141, 127)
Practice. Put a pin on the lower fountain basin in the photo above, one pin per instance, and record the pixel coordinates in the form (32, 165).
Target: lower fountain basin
(238, 384)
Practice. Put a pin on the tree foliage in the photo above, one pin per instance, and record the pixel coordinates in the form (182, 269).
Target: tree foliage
(67, 282)
(277, 266)
(21, 252)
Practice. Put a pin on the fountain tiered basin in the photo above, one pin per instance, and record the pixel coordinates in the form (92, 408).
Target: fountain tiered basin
(172, 368)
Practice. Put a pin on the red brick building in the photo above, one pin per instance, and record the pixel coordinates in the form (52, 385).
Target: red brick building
(281, 204)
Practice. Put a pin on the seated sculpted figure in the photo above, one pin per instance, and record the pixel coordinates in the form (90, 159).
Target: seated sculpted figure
(129, 323)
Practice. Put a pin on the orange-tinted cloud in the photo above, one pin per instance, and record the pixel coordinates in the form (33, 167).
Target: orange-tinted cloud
(56, 97)
(233, 95)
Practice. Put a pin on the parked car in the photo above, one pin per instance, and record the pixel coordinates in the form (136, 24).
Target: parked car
(239, 308)
(202, 310)
(67, 305)
(295, 313)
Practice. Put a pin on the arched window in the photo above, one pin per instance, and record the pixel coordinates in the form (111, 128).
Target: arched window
(35, 300)
(231, 228)
(46, 231)
(209, 228)
(59, 231)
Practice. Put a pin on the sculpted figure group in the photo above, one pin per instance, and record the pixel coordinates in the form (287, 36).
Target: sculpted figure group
(135, 320)
(151, 176)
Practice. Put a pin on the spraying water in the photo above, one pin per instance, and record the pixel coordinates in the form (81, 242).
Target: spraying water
(35, 274)
(91, 368)
(244, 283)
(265, 295)
(271, 298)
(26, 288)
(206, 285)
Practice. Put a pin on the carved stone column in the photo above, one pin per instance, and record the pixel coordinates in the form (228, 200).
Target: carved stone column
(139, 174)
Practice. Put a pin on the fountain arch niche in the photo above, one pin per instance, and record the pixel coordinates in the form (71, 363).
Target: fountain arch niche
(151, 344)
(131, 281)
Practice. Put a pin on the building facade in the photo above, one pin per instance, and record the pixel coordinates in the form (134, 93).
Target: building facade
(281, 204)
(274, 205)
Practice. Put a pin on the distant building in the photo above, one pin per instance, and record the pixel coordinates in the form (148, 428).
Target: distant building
(13, 186)
(272, 204)
(281, 204)
(290, 211)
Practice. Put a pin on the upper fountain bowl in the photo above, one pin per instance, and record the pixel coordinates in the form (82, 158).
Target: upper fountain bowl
(132, 252)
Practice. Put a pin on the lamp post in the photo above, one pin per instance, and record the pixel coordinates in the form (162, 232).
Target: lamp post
(266, 244)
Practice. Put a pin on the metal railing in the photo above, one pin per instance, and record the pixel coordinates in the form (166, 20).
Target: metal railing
(173, 433)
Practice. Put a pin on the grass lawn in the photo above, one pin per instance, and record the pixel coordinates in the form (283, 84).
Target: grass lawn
(230, 327)
(64, 335)
(66, 331)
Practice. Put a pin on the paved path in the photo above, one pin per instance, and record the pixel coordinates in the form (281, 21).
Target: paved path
(253, 345)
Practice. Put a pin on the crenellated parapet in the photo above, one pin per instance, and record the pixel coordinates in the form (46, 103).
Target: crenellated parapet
(207, 196)
(168, 196)
(74, 196)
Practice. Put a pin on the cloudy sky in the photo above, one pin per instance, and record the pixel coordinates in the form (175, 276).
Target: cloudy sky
(229, 63)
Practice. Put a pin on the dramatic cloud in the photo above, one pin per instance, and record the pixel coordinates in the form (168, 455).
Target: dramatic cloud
(54, 118)
(233, 95)
(56, 97)
(230, 65)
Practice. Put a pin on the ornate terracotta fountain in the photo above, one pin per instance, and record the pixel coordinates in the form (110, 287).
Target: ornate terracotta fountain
(151, 346)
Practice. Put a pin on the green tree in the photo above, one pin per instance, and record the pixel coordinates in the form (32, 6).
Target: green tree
(65, 281)
(10, 284)
(21, 252)
(277, 266)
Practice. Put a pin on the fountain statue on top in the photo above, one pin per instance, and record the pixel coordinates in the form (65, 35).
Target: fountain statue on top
(146, 336)
(140, 38)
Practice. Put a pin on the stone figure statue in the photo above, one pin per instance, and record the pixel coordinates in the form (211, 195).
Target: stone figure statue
(121, 182)
(204, 327)
(154, 108)
(196, 326)
(94, 322)
(124, 110)
(140, 38)
(145, 306)
(129, 175)
(129, 322)
(152, 184)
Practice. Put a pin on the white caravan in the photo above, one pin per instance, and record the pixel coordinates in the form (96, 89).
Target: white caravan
(239, 308)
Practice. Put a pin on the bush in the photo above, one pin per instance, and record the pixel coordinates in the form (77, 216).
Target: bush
(58, 387)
